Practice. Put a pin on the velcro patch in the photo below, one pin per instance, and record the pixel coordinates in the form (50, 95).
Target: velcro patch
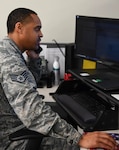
(20, 77)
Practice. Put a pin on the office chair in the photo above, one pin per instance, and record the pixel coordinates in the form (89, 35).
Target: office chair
(34, 138)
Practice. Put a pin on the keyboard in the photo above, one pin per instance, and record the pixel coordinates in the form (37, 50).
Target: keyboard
(86, 108)
(92, 104)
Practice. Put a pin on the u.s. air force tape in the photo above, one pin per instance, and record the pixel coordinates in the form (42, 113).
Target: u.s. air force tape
(19, 77)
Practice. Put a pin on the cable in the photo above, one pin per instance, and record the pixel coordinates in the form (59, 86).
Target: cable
(59, 47)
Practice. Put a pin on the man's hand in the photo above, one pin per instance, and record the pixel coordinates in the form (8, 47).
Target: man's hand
(32, 54)
(98, 140)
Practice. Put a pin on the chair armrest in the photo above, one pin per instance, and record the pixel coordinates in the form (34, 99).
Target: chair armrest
(25, 134)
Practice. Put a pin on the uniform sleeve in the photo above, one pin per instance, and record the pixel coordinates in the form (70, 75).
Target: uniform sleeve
(20, 89)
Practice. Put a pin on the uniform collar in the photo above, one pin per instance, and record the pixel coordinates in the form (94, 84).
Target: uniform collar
(13, 44)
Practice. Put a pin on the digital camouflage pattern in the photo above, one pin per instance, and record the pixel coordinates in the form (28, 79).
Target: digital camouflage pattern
(22, 106)
(34, 66)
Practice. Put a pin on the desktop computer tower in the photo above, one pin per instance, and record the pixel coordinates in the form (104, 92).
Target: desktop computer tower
(71, 61)
(69, 56)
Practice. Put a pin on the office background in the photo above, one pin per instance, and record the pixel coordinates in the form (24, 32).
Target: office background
(58, 16)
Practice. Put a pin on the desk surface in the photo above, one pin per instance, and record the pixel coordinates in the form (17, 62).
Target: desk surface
(45, 91)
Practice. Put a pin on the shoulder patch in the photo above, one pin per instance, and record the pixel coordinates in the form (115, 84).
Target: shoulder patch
(22, 77)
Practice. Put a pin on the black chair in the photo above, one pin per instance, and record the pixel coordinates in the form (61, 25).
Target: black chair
(34, 138)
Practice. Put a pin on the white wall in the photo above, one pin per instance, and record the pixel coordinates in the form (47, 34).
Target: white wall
(58, 16)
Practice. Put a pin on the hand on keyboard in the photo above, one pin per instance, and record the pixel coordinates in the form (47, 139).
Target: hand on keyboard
(97, 139)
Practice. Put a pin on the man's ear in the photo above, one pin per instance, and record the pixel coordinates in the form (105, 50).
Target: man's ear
(18, 27)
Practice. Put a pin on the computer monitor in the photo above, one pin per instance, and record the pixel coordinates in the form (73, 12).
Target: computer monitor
(97, 39)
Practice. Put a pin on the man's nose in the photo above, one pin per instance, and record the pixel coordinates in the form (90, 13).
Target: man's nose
(40, 34)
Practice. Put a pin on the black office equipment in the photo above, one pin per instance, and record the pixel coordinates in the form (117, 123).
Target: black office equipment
(88, 98)
(97, 38)
(81, 112)
(104, 80)
(86, 106)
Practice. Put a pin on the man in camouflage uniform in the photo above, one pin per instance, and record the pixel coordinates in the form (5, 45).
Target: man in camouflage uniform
(20, 104)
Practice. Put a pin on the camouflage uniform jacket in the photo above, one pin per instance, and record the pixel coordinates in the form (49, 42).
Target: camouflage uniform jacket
(21, 104)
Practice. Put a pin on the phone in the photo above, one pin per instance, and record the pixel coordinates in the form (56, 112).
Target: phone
(38, 50)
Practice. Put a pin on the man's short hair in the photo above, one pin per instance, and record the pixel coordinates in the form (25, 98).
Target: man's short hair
(18, 15)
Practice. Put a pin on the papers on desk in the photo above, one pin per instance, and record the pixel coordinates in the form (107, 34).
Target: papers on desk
(115, 96)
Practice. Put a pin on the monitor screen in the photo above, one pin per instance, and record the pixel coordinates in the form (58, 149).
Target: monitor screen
(97, 38)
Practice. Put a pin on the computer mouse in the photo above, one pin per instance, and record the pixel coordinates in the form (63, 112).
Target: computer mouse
(115, 136)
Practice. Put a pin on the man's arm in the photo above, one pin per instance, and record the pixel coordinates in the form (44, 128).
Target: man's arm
(20, 89)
